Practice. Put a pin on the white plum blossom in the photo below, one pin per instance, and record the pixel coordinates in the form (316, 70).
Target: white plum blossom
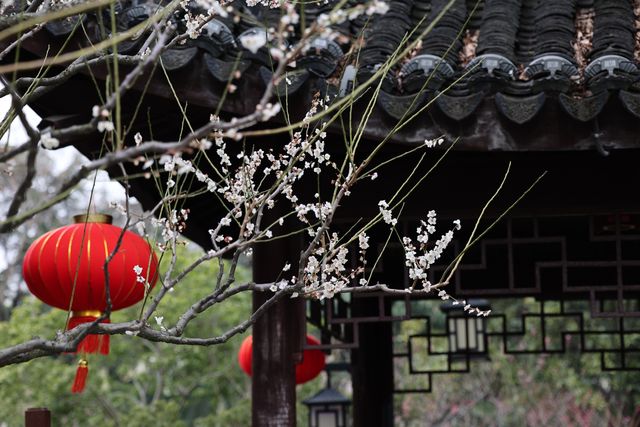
(363, 241)
(378, 7)
(443, 294)
(268, 3)
(48, 142)
(105, 126)
(194, 24)
(213, 7)
(290, 17)
(200, 176)
(139, 278)
(184, 166)
(159, 320)
(431, 143)
(270, 111)
(387, 215)
(254, 41)
(420, 258)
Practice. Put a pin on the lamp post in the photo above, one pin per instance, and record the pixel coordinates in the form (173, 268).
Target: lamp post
(467, 333)
(328, 407)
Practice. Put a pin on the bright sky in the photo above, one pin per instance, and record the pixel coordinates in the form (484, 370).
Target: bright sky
(17, 133)
(62, 158)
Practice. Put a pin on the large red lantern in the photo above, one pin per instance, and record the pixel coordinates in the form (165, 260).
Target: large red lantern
(313, 361)
(65, 269)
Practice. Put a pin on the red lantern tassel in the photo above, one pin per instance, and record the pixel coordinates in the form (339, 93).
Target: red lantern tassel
(81, 376)
(92, 343)
(89, 344)
(104, 344)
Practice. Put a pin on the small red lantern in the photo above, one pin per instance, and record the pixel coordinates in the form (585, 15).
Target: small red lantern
(313, 361)
(65, 269)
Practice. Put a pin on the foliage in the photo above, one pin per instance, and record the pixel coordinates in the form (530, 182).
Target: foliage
(140, 383)
(520, 390)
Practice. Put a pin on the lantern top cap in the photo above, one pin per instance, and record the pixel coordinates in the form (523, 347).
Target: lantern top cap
(328, 396)
(93, 217)
(449, 306)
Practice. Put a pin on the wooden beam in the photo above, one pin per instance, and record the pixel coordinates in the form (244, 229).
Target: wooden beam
(277, 342)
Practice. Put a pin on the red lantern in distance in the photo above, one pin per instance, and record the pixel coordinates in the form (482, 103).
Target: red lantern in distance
(313, 361)
(65, 269)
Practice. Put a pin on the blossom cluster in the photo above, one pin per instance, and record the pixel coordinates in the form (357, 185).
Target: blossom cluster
(170, 226)
(206, 10)
(103, 116)
(141, 277)
(468, 308)
(252, 181)
(419, 256)
(326, 271)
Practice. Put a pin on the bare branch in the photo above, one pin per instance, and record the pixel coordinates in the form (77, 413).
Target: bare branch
(34, 138)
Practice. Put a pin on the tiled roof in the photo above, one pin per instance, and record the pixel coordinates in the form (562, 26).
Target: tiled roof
(575, 51)
(507, 59)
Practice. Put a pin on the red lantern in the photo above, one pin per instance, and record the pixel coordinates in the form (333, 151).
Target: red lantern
(313, 361)
(65, 269)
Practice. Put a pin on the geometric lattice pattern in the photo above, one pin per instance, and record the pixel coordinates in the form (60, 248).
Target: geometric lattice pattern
(592, 258)
(555, 328)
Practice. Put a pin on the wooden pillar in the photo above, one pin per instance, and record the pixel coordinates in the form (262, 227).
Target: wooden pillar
(372, 369)
(277, 341)
(37, 417)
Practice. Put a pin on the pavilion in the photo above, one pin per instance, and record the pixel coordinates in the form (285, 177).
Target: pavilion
(547, 85)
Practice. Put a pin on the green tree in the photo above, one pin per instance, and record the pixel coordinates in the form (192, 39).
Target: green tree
(140, 383)
(518, 390)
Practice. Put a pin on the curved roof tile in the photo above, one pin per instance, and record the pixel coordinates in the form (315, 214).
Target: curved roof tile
(521, 53)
